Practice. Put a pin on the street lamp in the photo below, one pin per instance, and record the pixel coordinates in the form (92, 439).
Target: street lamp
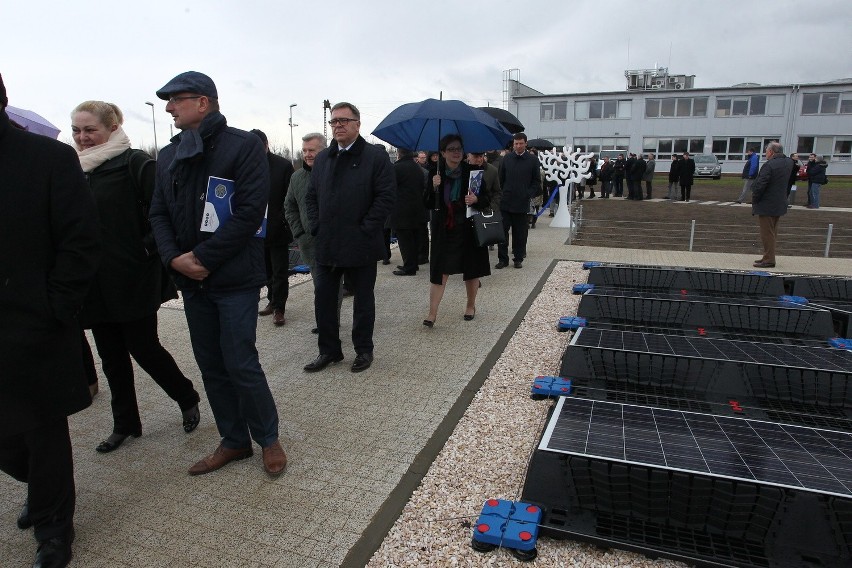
(154, 120)
(292, 150)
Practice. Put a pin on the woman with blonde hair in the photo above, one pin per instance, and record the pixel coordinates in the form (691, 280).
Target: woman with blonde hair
(121, 308)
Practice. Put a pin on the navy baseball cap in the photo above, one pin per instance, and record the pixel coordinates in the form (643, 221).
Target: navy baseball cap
(189, 82)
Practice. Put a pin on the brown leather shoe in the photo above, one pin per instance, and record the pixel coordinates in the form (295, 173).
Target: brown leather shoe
(278, 318)
(221, 457)
(267, 311)
(274, 459)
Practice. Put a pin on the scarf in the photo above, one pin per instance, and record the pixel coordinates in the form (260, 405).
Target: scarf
(452, 192)
(91, 158)
(191, 142)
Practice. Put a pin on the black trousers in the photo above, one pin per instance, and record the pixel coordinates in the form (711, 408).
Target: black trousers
(88, 360)
(684, 192)
(648, 188)
(519, 225)
(116, 342)
(423, 243)
(42, 459)
(278, 275)
(409, 248)
(361, 281)
(618, 186)
(386, 235)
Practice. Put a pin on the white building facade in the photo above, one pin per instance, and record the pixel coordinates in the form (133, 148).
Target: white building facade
(723, 121)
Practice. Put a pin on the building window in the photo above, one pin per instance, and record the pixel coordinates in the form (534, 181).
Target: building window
(597, 144)
(832, 148)
(827, 103)
(554, 111)
(676, 107)
(755, 105)
(664, 147)
(735, 147)
(596, 110)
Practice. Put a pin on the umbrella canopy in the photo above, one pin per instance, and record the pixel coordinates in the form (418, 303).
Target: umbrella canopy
(509, 121)
(416, 126)
(540, 144)
(32, 122)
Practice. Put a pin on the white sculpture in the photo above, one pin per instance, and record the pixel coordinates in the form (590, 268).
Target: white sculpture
(564, 168)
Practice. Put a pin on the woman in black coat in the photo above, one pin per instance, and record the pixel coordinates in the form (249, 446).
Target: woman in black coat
(121, 308)
(454, 248)
(674, 176)
(686, 171)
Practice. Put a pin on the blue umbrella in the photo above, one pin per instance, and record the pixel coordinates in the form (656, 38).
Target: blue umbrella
(419, 126)
(28, 120)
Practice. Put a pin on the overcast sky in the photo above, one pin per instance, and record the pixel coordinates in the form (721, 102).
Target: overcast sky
(378, 54)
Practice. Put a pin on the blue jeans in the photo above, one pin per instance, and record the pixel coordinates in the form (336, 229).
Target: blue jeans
(815, 195)
(223, 330)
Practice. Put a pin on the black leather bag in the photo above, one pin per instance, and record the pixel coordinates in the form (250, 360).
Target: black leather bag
(488, 228)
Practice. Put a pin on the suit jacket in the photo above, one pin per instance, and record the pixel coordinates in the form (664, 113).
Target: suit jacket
(51, 246)
(280, 170)
(769, 189)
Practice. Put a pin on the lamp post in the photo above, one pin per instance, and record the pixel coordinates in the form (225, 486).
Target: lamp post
(154, 120)
(292, 150)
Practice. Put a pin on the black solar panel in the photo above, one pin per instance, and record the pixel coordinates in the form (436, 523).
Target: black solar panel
(666, 277)
(826, 359)
(782, 455)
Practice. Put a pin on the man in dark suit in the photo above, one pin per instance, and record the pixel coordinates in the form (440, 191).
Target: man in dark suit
(278, 235)
(769, 199)
(350, 195)
(50, 236)
(409, 212)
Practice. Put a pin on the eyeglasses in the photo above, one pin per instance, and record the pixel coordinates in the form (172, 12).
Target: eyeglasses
(454, 149)
(175, 100)
(341, 121)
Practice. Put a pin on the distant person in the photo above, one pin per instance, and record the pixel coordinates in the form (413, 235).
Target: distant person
(122, 304)
(816, 179)
(350, 195)
(520, 181)
(593, 179)
(409, 212)
(606, 177)
(454, 247)
(51, 248)
(769, 200)
(628, 174)
(219, 274)
(749, 173)
(619, 167)
(648, 176)
(421, 159)
(636, 175)
(794, 175)
(811, 162)
(686, 173)
(674, 177)
(276, 244)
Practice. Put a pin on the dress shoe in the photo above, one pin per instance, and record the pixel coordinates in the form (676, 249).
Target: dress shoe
(274, 459)
(219, 458)
(278, 318)
(501, 264)
(764, 264)
(429, 323)
(267, 311)
(518, 264)
(191, 418)
(322, 361)
(469, 317)
(404, 273)
(362, 362)
(24, 520)
(114, 442)
(386, 262)
(54, 552)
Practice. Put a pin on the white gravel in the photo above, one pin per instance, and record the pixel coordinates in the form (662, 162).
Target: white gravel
(487, 455)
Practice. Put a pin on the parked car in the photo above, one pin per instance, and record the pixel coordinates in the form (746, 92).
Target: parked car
(803, 170)
(707, 165)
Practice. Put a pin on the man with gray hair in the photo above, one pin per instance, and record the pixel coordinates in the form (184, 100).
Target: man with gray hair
(769, 199)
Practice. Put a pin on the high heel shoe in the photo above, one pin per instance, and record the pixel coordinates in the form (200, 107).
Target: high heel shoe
(469, 317)
(428, 323)
(191, 418)
(114, 442)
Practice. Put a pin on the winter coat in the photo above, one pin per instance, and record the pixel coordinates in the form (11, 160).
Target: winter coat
(349, 198)
(794, 173)
(277, 231)
(751, 166)
(129, 284)
(606, 172)
(637, 170)
(51, 247)
(769, 190)
(492, 180)
(674, 171)
(233, 255)
(619, 167)
(409, 212)
(686, 171)
(297, 215)
(650, 166)
(520, 181)
(816, 172)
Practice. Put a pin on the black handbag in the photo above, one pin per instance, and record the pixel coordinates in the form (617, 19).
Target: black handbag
(488, 228)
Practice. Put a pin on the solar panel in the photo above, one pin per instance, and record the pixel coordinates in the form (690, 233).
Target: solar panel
(823, 287)
(694, 279)
(760, 336)
(817, 358)
(779, 455)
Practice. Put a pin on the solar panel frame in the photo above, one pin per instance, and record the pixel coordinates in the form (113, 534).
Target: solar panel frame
(740, 449)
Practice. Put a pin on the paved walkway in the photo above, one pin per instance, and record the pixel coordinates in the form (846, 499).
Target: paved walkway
(357, 443)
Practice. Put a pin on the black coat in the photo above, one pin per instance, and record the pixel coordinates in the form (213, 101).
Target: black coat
(49, 231)
(475, 262)
(280, 171)
(606, 172)
(408, 211)
(618, 169)
(128, 285)
(349, 198)
(520, 181)
(674, 171)
(687, 171)
(637, 169)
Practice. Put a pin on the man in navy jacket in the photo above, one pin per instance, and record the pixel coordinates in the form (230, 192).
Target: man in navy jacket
(520, 181)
